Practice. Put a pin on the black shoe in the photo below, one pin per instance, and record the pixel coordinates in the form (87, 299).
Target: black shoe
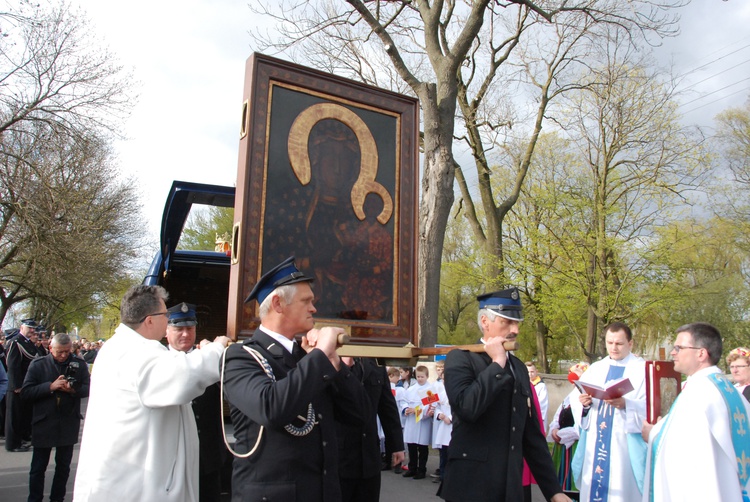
(410, 474)
(436, 480)
(21, 449)
(397, 469)
(419, 475)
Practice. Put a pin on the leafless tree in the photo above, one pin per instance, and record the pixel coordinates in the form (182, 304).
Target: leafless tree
(67, 224)
(432, 49)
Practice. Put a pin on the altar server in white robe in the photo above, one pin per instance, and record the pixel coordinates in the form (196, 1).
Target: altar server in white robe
(418, 409)
(692, 454)
(140, 441)
(611, 429)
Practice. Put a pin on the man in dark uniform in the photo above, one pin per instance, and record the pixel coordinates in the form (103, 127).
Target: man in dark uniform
(495, 425)
(360, 462)
(54, 385)
(285, 397)
(42, 343)
(181, 333)
(21, 351)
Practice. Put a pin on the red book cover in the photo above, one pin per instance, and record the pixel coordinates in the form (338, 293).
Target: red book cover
(611, 390)
(663, 384)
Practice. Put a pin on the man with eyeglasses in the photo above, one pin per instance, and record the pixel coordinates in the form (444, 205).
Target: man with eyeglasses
(139, 438)
(700, 450)
(610, 429)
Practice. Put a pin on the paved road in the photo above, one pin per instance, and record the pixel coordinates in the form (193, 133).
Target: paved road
(14, 478)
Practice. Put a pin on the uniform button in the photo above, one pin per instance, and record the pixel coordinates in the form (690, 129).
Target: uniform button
(326, 377)
(513, 429)
(325, 443)
(325, 472)
(464, 454)
(320, 416)
(514, 409)
(498, 376)
(515, 391)
(512, 447)
(364, 434)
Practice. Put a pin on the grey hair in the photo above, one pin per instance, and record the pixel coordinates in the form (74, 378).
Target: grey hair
(62, 339)
(489, 314)
(285, 293)
(140, 301)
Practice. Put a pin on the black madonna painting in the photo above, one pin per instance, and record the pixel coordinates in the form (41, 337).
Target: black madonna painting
(327, 174)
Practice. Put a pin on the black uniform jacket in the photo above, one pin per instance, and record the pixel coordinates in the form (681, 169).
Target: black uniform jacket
(286, 467)
(495, 427)
(359, 446)
(57, 415)
(20, 353)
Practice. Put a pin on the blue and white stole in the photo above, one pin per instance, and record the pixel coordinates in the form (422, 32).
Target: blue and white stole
(740, 431)
(739, 428)
(602, 453)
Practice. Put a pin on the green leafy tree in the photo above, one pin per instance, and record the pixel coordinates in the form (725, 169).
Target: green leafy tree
(436, 51)
(205, 226)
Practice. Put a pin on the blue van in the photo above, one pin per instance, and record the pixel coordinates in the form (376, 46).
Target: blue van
(198, 277)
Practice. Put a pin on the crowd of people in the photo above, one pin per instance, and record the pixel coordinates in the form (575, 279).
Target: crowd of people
(310, 425)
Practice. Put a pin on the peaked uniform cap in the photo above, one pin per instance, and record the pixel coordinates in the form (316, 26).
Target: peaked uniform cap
(182, 314)
(282, 274)
(28, 322)
(505, 303)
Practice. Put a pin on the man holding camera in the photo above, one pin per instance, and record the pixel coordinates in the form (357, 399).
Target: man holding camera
(54, 385)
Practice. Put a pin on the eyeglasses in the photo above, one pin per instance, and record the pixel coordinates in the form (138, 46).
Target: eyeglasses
(738, 366)
(678, 348)
(154, 315)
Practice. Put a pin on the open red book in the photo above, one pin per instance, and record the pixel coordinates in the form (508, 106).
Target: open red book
(611, 390)
(663, 383)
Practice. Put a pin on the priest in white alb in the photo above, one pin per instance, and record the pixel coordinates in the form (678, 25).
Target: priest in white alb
(701, 450)
(610, 443)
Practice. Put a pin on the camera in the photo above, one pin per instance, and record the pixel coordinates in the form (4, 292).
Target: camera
(70, 373)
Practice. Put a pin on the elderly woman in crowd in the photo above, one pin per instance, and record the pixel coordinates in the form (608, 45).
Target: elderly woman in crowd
(739, 365)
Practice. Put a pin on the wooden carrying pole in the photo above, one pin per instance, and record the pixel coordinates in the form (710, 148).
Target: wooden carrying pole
(408, 354)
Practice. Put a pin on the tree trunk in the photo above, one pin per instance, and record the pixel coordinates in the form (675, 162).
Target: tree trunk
(542, 330)
(435, 204)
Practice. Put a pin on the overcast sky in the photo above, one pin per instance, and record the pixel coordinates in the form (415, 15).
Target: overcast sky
(189, 58)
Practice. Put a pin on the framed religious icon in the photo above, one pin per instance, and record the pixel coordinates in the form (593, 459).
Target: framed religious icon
(663, 384)
(328, 174)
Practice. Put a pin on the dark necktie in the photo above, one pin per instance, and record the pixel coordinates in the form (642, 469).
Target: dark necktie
(298, 352)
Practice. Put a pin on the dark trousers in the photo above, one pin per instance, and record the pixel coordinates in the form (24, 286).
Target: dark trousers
(443, 460)
(17, 420)
(360, 490)
(2, 416)
(209, 486)
(39, 462)
(418, 457)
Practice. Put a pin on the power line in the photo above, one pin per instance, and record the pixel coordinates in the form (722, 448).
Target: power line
(714, 92)
(716, 100)
(716, 74)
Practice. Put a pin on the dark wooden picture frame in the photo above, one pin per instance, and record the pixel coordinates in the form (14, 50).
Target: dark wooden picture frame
(328, 173)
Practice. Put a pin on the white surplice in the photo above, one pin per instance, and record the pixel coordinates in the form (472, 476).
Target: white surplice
(623, 486)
